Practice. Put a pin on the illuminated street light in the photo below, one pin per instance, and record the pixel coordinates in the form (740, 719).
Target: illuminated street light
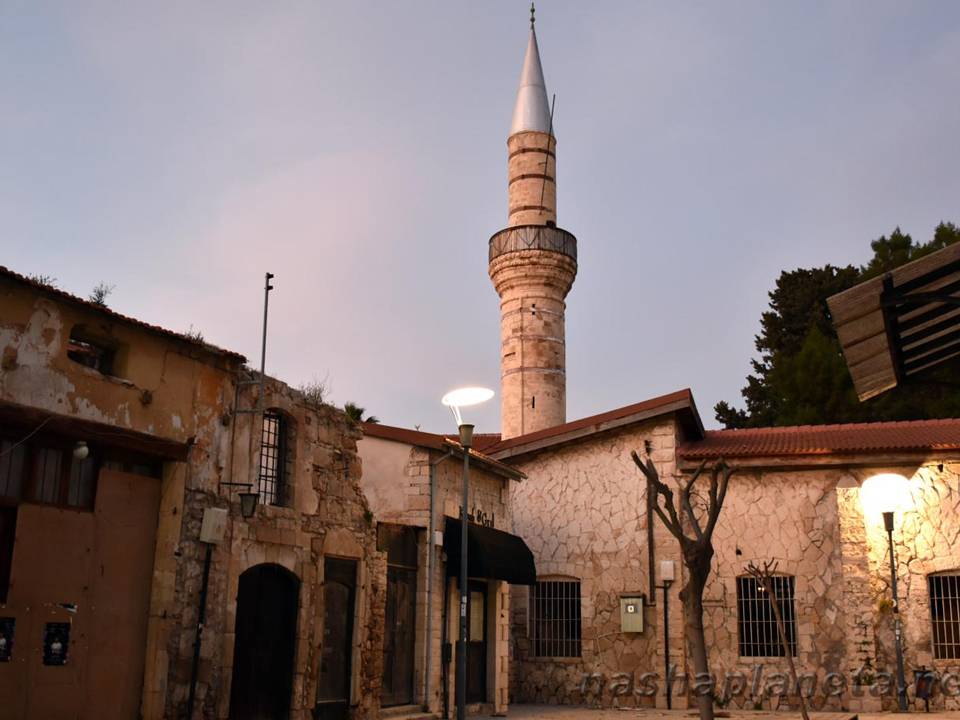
(456, 399)
(884, 495)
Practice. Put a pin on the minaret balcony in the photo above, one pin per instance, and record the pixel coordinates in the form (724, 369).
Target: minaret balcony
(533, 237)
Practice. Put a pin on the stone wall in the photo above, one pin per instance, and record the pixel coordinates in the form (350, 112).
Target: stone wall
(396, 479)
(582, 511)
(926, 540)
(327, 515)
(790, 518)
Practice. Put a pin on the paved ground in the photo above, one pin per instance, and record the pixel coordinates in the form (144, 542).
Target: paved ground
(568, 712)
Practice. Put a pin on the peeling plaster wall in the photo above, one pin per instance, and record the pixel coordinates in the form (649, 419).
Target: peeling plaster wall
(179, 391)
(164, 387)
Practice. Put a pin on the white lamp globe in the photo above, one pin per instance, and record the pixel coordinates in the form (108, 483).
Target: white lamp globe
(885, 492)
(465, 397)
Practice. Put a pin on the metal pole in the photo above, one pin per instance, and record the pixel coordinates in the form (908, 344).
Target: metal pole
(267, 287)
(666, 644)
(431, 553)
(462, 642)
(897, 629)
(201, 619)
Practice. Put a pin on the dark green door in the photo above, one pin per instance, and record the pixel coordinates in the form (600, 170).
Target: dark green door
(477, 642)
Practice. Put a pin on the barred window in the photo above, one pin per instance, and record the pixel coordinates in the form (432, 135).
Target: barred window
(272, 480)
(756, 623)
(945, 614)
(555, 618)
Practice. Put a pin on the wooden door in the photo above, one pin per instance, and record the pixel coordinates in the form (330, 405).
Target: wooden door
(336, 653)
(399, 639)
(267, 605)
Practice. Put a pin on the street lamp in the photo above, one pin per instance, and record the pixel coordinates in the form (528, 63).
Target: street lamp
(456, 399)
(886, 494)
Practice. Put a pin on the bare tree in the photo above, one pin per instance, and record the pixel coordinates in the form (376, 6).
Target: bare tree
(764, 577)
(99, 294)
(694, 532)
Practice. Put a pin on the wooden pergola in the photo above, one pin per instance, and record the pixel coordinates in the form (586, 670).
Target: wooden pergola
(898, 325)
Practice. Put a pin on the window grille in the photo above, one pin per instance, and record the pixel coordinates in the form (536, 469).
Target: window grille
(945, 615)
(273, 459)
(756, 623)
(555, 616)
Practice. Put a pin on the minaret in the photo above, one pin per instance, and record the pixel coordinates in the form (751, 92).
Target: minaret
(532, 265)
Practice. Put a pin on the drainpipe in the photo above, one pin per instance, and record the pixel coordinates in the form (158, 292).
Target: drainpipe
(431, 553)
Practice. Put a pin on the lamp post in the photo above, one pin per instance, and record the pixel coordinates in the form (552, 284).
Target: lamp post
(888, 493)
(667, 572)
(897, 629)
(456, 399)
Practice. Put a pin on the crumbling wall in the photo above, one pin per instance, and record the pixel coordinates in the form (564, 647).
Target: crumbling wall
(328, 515)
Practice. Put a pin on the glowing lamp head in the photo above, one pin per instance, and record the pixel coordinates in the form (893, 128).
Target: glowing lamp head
(885, 493)
(465, 397)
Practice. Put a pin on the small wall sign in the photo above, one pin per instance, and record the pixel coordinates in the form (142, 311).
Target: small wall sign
(479, 517)
(56, 643)
(7, 626)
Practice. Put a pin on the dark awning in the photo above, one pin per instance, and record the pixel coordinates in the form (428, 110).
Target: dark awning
(490, 554)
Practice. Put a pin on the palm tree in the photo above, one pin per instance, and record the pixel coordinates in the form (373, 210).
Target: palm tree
(355, 413)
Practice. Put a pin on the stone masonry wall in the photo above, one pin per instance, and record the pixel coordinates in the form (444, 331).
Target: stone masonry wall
(926, 540)
(582, 511)
(792, 518)
(327, 515)
(410, 505)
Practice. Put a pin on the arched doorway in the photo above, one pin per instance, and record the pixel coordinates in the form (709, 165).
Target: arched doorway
(267, 605)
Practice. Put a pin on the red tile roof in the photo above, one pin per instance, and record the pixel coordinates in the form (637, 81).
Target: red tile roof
(434, 441)
(847, 439)
(86, 304)
(680, 401)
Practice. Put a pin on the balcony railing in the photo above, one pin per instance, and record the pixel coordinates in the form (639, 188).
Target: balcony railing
(533, 237)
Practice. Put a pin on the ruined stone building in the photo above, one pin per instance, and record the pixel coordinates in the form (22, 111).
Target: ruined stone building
(123, 452)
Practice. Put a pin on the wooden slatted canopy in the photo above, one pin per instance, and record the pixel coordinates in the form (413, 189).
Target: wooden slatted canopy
(896, 326)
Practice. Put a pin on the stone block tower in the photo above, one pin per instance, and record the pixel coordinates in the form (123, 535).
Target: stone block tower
(532, 264)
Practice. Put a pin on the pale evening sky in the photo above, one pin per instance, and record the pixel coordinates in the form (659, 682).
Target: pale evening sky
(357, 151)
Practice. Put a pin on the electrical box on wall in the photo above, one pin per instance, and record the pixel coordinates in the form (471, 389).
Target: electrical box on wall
(631, 613)
(214, 525)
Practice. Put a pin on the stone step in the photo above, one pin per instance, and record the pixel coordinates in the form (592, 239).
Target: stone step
(406, 712)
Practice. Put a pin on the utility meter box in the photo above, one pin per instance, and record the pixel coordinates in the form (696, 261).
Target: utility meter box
(214, 525)
(631, 613)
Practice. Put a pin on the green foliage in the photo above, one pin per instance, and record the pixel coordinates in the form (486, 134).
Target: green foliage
(99, 294)
(355, 413)
(801, 377)
(314, 392)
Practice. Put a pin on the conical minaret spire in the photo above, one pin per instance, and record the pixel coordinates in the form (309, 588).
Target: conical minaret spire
(532, 110)
(532, 264)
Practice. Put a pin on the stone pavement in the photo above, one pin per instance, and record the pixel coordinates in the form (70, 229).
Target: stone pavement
(572, 712)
